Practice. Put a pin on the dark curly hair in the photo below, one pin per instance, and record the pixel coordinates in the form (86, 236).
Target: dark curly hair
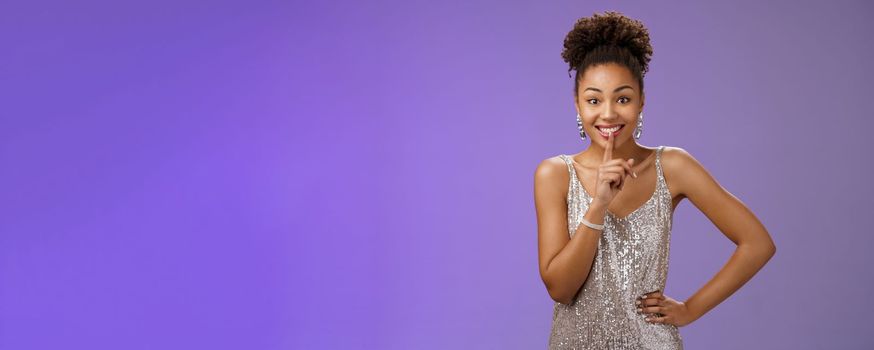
(610, 37)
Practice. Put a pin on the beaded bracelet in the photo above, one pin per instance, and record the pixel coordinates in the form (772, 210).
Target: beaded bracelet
(594, 226)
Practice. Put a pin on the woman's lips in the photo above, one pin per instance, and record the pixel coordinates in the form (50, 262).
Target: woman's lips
(615, 133)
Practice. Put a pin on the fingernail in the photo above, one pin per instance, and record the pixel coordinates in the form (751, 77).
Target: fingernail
(638, 302)
(635, 174)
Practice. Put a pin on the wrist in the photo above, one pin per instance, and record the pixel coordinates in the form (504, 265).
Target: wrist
(598, 205)
(693, 309)
(597, 211)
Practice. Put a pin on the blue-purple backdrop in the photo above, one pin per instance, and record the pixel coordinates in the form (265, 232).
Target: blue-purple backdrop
(359, 175)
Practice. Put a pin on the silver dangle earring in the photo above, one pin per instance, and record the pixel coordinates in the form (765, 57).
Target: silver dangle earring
(639, 128)
(580, 126)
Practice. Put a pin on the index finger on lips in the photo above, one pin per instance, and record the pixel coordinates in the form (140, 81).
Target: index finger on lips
(608, 151)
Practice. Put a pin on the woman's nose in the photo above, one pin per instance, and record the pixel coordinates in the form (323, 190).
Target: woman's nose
(609, 114)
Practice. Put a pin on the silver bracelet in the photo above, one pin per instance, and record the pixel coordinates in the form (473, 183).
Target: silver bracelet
(594, 226)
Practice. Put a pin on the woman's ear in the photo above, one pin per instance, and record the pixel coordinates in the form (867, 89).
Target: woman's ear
(577, 103)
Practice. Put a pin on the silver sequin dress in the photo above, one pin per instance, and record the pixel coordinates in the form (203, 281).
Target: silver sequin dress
(632, 259)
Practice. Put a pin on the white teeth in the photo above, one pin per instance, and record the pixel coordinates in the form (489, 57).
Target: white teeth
(610, 129)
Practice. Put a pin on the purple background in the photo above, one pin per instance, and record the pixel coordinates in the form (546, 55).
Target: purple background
(274, 175)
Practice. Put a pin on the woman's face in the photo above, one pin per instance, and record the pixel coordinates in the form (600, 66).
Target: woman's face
(609, 95)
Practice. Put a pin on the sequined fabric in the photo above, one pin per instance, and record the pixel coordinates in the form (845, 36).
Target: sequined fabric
(632, 259)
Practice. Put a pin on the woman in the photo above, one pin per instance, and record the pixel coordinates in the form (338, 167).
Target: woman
(603, 248)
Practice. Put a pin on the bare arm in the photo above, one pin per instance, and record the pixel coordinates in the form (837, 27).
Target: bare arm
(734, 220)
(564, 263)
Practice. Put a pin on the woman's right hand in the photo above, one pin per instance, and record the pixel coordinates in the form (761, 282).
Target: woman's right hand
(611, 174)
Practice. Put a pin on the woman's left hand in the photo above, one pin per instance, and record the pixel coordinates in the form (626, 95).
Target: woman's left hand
(671, 311)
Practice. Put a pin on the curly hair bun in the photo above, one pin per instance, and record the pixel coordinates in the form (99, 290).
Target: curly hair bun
(610, 29)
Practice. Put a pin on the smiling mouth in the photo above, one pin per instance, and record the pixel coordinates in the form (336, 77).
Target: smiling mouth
(605, 131)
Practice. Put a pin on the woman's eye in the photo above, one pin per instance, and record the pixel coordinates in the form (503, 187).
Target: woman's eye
(595, 101)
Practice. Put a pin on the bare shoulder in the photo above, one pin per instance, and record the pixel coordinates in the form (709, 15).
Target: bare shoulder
(551, 173)
(683, 171)
(673, 157)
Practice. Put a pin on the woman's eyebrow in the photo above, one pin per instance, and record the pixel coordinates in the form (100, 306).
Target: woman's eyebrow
(617, 89)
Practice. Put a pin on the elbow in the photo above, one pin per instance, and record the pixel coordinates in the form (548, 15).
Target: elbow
(768, 253)
(558, 291)
(559, 296)
(769, 248)
(762, 250)
(772, 249)
(762, 247)
(564, 301)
